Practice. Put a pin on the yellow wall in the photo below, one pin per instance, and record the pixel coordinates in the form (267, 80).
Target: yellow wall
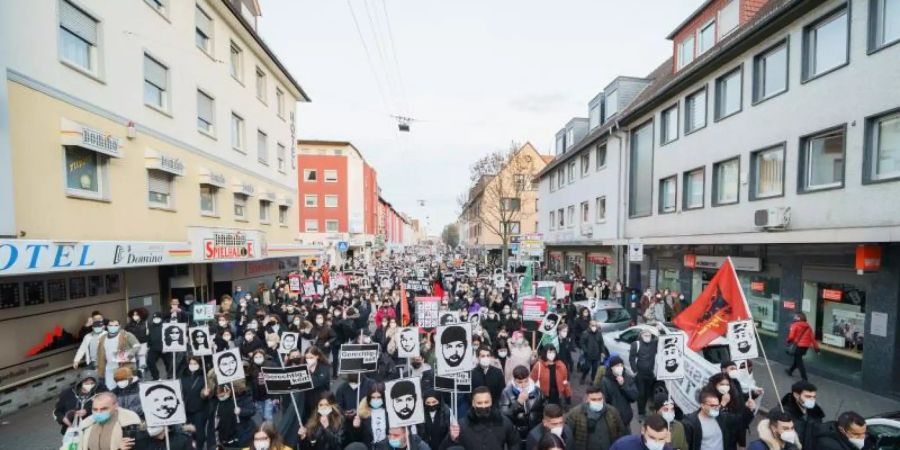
(44, 211)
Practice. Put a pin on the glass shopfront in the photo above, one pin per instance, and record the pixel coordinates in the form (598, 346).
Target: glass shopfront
(837, 313)
(575, 263)
(763, 293)
(668, 279)
(555, 261)
(598, 266)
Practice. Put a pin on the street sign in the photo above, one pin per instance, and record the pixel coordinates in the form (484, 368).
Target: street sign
(343, 246)
(635, 252)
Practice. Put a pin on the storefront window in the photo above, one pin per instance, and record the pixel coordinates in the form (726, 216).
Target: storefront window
(764, 297)
(668, 279)
(34, 292)
(837, 313)
(57, 290)
(9, 295)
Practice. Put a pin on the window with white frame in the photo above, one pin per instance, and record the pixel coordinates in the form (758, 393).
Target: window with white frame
(594, 115)
(552, 181)
(512, 228)
(203, 30)
(331, 226)
(240, 206)
(159, 188)
(570, 215)
(585, 163)
(825, 44)
(237, 132)
(729, 18)
(208, 197)
(600, 156)
(562, 218)
(600, 208)
(260, 85)
(552, 219)
(669, 124)
(706, 37)
(884, 23)
(561, 177)
(282, 215)
(695, 111)
(311, 225)
(279, 102)
(156, 84)
(883, 147)
(822, 160)
(571, 169)
(236, 62)
(570, 138)
(510, 204)
(281, 155)
(311, 200)
(262, 147)
(264, 206)
(686, 51)
(206, 113)
(520, 184)
(331, 175)
(770, 70)
(78, 37)
(726, 179)
(331, 201)
(694, 189)
(667, 194)
(309, 175)
(85, 172)
(585, 213)
(610, 105)
(728, 93)
(768, 173)
(640, 187)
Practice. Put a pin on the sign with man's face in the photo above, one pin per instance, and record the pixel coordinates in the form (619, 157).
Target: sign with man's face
(453, 346)
(174, 336)
(408, 342)
(228, 366)
(670, 357)
(549, 323)
(404, 402)
(200, 343)
(162, 403)
(448, 317)
(742, 340)
(289, 341)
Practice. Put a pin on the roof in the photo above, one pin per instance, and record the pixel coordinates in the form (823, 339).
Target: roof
(547, 158)
(258, 39)
(321, 142)
(691, 17)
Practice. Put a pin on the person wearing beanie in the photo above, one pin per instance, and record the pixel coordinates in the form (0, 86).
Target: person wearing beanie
(127, 390)
(437, 420)
(619, 389)
(75, 404)
(665, 407)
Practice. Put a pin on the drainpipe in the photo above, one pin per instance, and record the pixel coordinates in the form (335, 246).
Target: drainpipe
(620, 225)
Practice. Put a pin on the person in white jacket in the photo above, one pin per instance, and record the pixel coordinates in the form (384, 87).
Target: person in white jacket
(88, 348)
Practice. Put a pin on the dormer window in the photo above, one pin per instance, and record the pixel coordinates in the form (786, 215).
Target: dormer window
(729, 18)
(594, 115)
(686, 51)
(611, 105)
(707, 37)
(570, 138)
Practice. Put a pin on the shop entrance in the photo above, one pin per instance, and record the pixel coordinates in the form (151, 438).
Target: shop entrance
(837, 313)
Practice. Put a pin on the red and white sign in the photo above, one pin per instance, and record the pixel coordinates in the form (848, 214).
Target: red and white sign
(757, 286)
(601, 259)
(690, 261)
(834, 295)
(868, 258)
(294, 283)
(534, 308)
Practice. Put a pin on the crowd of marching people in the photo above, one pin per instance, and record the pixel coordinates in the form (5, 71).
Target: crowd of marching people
(522, 389)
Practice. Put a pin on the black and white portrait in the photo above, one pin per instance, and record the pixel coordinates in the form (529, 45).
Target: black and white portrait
(162, 403)
(670, 357)
(454, 352)
(200, 341)
(408, 342)
(742, 340)
(288, 342)
(448, 317)
(404, 403)
(174, 337)
(549, 323)
(228, 366)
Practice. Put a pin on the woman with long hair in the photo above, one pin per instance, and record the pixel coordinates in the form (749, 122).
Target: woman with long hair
(266, 437)
(552, 376)
(320, 373)
(325, 429)
(734, 402)
(370, 425)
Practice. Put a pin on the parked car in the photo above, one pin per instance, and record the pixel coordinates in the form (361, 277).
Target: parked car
(611, 315)
(885, 428)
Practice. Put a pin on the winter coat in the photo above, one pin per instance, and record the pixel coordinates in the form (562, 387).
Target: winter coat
(415, 443)
(140, 330)
(642, 357)
(519, 355)
(592, 345)
(492, 378)
(577, 420)
(224, 424)
(125, 342)
(802, 335)
(256, 380)
(620, 396)
(382, 314)
(693, 430)
(540, 373)
(537, 433)
(323, 439)
(806, 424)
(433, 431)
(72, 400)
(523, 417)
(177, 441)
(347, 397)
(129, 398)
(154, 337)
(494, 433)
(768, 441)
(123, 418)
(191, 389)
(829, 437)
(633, 442)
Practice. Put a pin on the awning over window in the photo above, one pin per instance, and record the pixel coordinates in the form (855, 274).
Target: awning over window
(239, 187)
(285, 201)
(268, 195)
(213, 178)
(75, 134)
(156, 160)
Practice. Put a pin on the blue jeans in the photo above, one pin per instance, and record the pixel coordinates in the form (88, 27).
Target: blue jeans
(265, 408)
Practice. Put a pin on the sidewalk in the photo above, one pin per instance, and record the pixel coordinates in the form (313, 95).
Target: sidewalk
(833, 397)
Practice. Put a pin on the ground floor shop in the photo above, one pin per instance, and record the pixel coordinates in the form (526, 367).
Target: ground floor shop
(853, 314)
(590, 262)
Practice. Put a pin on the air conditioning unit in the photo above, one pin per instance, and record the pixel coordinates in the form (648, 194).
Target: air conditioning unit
(587, 229)
(772, 218)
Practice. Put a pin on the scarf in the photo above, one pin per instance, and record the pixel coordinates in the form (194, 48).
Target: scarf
(101, 434)
(379, 425)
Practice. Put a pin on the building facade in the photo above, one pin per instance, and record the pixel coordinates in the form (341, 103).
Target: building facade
(148, 156)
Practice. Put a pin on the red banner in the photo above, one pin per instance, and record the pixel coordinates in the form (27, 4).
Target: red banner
(721, 302)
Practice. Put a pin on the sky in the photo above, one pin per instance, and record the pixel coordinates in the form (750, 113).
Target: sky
(474, 75)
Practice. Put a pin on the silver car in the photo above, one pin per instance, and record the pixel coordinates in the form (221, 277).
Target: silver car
(611, 315)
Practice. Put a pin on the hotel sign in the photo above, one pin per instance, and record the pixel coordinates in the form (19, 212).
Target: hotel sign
(27, 256)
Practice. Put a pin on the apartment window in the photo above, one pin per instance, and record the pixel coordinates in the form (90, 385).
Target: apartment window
(641, 179)
(311, 200)
(331, 176)
(156, 84)
(552, 181)
(85, 172)
(311, 225)
(512, 228)
(240, 206)
(668, 190)
(822, 160)
(694, 189)
(826, 44)
(282, 215)
(280, 155)
(570, 215)
(686, 51)
(279, 102)
(728, 93)
(600, 156)
(560, 143)
(570, 138)
(668, 128)
(600, 209)
(331, 201)
(695, 111)
(511, 204)
(236, 62)
(264, 206)
(331, 226)
(208, 195)
(726, 176)
(707, 37)
(206, 113)
(309, 175)
(159, 186)
(552, 219)
(770, 72)
(767, 173)
(203, 33)
(78, 37)
(561, 177)
(884, 23)
(610, 105)
(237, 132)
(594, 114)
(519, 183)
(585, 163)
(562, 218)
(728, 18)
(571, 168)
(585, 213)
(882, 157)
(262, 147)
(260, 85)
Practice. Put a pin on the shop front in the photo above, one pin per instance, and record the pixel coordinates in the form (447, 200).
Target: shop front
(575, 263)
(555, 261)
(599, 266)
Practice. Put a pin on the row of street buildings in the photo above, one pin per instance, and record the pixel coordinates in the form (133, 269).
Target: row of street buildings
(148, 151)
(771, 135)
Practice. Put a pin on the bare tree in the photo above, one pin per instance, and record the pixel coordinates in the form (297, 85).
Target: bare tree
(450, 235)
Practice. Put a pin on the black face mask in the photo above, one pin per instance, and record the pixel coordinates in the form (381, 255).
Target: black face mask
(432, 408)
(482, 413)
(416, 364)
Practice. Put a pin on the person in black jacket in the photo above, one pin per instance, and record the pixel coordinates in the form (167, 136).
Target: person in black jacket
(718, 424)
(230, 425)
(619, 389)
(343, 333)
(154, 438)
(594, 350)
(325, 429)
(734, 403)
(554, 422)
(484, 427)
(437, 420)
(154, 348)
(642, 359)
(320, 373)
(349, 393)
(522, 402)
(800, 403)
(487, 374)
(196, 398)
(74, 404)
(400, 439)
(848, 432)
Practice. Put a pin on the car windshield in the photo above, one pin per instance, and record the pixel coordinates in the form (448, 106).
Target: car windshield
(616, 315)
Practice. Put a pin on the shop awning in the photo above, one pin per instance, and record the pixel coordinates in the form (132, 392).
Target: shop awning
(268, 195)
(154, 159)
(285, 201)
(78, 135)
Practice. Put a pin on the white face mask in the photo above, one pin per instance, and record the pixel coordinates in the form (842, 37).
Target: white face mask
(618, 370)
(87, 387)
(551, 356)
(669, 416)
(122, 384)
(789, 436)
(502, 353)
(259, 360)
(809, 404)
(136, 317)
(723, 389)
(484, 362)
(261, 445)
(733, 374)
(858, 443)
(557, 431)
(193, 367)
(325, 410)
(646, 337)
(157, 320)
(655, 445)
(311, 361)
(353, 385)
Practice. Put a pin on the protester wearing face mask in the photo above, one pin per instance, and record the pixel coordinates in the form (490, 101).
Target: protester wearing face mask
(231, 416)
(250, 343)
(522, 402)
(552, 376)
(642, 359)
(775, 433)
(87, 351)
(520, 354)
(437, 420)
(595, 425)
(654, 436)
(320, 374)
(265, 403)
(266, 437)
(399, 439)
(154, 348)
(370, 424)
(710, 427)
(325, 428)
(514, 321)
(487, 373)
(619, 389)
(484, 427)
(848, 432)
(103, 429)
(737, 377)
(593, 350)
(196, 398)
(565, 344)
(665, 407)
(126, 390)
(355, 387)
(75, 404)
(801, 404)
(734, 403)
(553, 422)
(116, 348)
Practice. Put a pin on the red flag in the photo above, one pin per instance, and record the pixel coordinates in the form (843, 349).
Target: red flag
(721, 302)
(404, 307)
(437, 290)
